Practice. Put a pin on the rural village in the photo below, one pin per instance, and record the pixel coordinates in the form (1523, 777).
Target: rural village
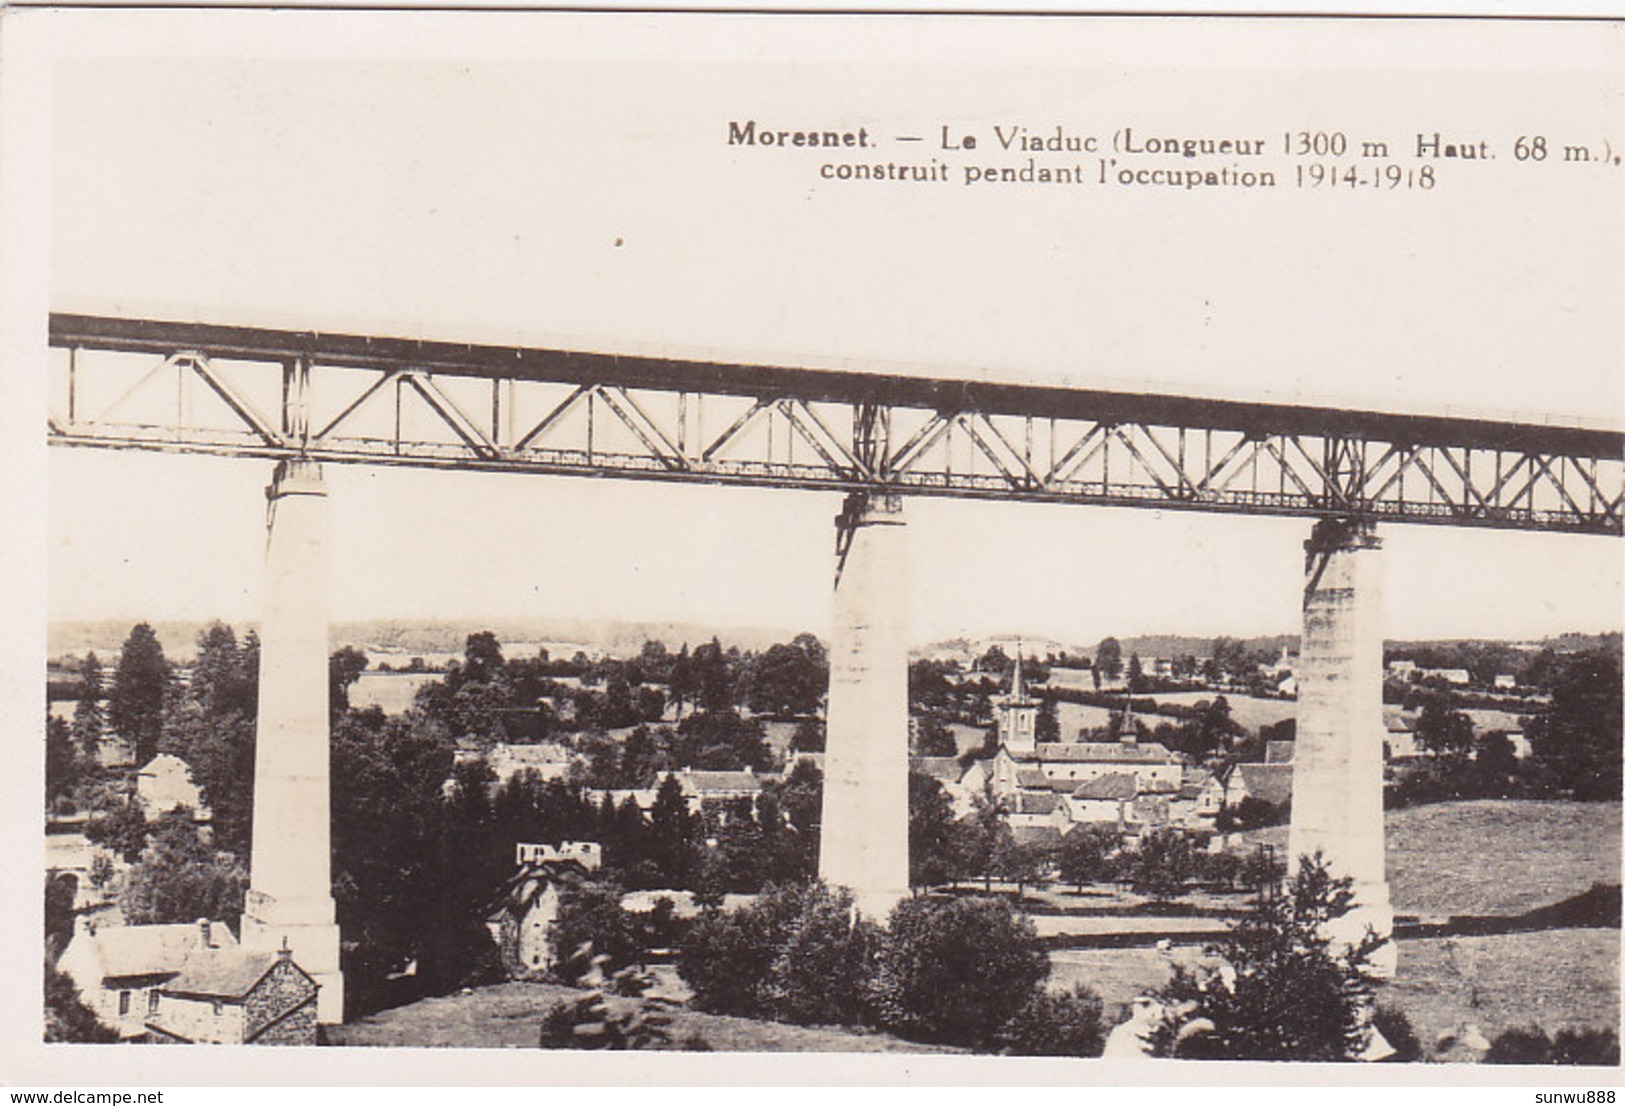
(628, 845)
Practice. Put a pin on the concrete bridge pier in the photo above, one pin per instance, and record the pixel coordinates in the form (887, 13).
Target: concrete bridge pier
(864, 842)
(1337, 778)
(290, 897)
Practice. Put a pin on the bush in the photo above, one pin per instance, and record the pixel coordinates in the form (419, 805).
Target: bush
(1396, 1029)
(956, 971)
(1251, 813)
(1520, 1046)
(1571, 1046)
(1056, 1023)
(1586, 1046)
(589, 1022)
(795, 955)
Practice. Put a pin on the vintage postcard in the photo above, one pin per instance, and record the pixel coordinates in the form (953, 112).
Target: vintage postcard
(831, 548)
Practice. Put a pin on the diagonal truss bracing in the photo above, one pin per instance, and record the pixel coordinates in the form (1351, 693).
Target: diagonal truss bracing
(181, 387)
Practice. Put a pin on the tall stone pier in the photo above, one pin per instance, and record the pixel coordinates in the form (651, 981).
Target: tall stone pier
(290, 897)
(864, 842)
(1337, 778)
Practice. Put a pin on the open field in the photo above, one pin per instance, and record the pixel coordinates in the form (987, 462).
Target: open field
(1557, 980)
(1493, 856)
(1251, 714)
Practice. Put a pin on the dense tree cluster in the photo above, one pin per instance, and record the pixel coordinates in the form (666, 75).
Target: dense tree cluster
(966, 972)
(180, 878)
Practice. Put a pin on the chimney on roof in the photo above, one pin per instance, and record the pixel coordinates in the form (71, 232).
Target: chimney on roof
(204, 933)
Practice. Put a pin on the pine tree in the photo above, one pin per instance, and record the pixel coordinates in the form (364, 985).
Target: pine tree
(61, 763)
(140, 686)
(672, 834)
(1283, 990)
(88, 716)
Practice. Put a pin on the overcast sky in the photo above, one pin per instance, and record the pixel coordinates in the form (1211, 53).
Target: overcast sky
(565, 181)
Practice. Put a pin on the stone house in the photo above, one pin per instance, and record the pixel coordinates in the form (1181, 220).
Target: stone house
(1270, 782)
(231, 996)
(1027, 809)
(520, 919)
(120, 970)
(1103, 801)
(1151, 763)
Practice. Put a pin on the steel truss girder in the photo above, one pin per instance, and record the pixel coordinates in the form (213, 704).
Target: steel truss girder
(880, 435)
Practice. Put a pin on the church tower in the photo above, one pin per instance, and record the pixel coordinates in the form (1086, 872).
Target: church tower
(1018, 716)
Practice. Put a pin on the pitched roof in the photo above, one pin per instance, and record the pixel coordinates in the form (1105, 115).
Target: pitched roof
(1032, 802)
(704, 782)
(546, 753)
(221, 973)
(1117, 752)
(1035, 835)
(151, 950)
(1270, 782)
(1031, 778)
(943, 769)
(164, 762)
(1113, 785)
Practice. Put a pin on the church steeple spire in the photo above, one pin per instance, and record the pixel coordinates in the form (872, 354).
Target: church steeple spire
(1128, 730)
(1018, 715)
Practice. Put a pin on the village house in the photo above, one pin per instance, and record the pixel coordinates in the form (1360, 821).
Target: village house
(520, 919)
(232, 996)
(1152, 765)
(1271, 783)
(703, 791)
(1399, 744)
(1186, 807)
(120, 969)
(164, 784)
(1034, 808)
(947, 772)
(1209, 797)
(1104, 800)
(549, 761)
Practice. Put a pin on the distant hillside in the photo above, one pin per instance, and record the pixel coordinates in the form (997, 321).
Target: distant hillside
(623, 638)
(179, 639)
(1181, 645)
